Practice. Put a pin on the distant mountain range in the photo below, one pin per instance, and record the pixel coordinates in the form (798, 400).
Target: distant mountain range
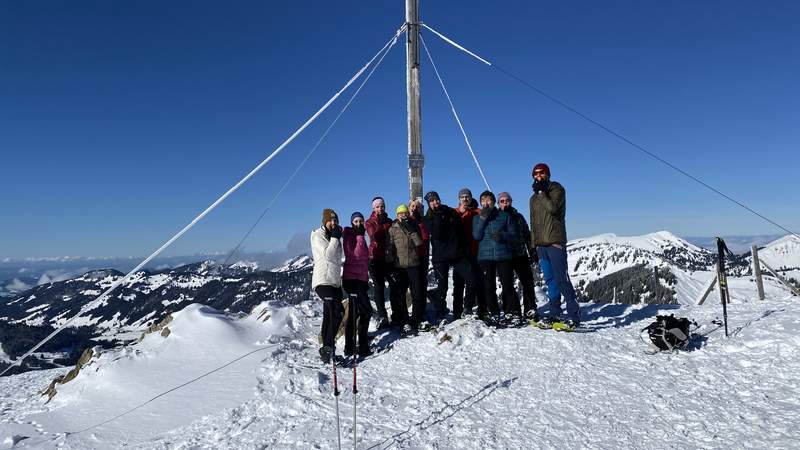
(604, 268)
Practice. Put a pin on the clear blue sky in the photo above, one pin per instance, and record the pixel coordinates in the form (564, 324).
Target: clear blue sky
(120, 121)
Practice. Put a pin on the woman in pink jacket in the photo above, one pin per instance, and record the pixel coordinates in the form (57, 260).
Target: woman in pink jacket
(355, 281)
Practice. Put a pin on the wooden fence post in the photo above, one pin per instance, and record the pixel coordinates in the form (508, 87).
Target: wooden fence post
(757, 272)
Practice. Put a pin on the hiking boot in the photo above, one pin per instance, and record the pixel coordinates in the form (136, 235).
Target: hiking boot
(407, 329)
(425, 326)
(364, 352)
(532, 315)
(491, 320)
(325, 354)
(349, 351)
(516, 320)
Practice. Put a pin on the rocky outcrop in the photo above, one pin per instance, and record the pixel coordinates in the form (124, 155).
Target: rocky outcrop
(156, 327)
(83, 361)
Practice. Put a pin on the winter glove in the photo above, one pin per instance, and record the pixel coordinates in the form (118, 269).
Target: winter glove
(496, 237)
(336, 232)
(359, 230)
(408, 226)
(541, 186)
(383, 218)
(486, 212)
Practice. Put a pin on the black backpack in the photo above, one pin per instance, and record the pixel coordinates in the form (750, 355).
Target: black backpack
(670, 332)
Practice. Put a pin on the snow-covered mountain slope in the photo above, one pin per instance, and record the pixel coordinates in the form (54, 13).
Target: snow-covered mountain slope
(782, 254)
(468, 387)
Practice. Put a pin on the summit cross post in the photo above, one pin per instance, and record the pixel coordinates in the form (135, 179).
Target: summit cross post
(416, 160)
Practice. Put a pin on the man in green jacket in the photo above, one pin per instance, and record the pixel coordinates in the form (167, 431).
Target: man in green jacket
(548, 207)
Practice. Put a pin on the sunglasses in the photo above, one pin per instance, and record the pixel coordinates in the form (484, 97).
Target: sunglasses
(505, 200)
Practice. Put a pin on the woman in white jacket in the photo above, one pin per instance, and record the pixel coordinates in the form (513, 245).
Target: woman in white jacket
(326, 281)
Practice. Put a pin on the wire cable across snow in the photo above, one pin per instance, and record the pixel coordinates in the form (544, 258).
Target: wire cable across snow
(455, 114)
(610, 131)
(191, 224)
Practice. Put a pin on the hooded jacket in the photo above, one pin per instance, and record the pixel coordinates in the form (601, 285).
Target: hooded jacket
(467, 215)
(327, 254)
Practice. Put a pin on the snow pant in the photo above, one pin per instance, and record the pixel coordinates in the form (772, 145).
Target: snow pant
(380, 272)
(522, 267)
(478, 292)
(462, 269)
(332, 313)
(491, 269)
(408, 278)
(549, 279)
(359, 312)
(555, 259)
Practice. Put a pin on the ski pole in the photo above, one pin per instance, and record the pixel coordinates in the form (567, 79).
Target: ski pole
(336, 397)
(355, 367)
(723, 282)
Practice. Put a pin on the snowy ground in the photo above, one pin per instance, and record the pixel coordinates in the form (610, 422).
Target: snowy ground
(480, 388)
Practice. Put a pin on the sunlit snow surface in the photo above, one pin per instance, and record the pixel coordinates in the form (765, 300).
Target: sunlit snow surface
(478, 388)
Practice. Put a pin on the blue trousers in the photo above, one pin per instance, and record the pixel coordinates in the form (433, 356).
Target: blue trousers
(553, 262)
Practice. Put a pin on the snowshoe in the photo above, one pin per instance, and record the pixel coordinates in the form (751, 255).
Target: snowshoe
(516, 321)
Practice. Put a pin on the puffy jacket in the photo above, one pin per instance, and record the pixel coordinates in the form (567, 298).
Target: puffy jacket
(378, 231)
(327, 253)
(519, 245)
(448, 241)
(498, 223)
(402, 246)
(548, 212)
(356, 256)
(467, 216)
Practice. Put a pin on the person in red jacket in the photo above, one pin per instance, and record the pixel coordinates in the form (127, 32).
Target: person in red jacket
(380, 271)
(355, 281)
(467, 210)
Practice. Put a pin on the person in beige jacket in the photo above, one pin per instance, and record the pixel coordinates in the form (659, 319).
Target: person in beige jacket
(402, 253)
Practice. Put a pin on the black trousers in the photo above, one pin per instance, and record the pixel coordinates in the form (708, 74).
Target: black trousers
(522, 267)
(491, 269)
(462, 269)
(478, 292)
(381, 273)
(409, 278)
(360, 311)
(332, 313)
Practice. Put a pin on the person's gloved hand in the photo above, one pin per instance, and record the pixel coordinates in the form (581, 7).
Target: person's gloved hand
(486, 212)
(359, 230)
(336, 232)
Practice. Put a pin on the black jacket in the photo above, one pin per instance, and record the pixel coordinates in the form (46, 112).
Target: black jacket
(448, 239)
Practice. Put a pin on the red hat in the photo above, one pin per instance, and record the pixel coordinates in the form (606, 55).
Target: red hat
(541, 166)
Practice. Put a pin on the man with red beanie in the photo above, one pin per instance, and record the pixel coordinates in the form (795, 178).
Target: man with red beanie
(548, 207)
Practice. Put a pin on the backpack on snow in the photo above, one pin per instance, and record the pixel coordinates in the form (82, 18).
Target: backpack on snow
(669, 332)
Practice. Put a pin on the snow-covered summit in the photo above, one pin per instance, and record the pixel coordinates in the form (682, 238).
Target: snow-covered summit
(299, 262)
(782, 254)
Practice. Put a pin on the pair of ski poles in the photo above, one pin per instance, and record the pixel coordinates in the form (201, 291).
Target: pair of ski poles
(336, 392)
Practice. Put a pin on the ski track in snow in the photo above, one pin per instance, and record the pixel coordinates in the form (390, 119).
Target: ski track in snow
(481, 388)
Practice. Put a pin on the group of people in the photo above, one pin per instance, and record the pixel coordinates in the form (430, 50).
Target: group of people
(480, 242)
